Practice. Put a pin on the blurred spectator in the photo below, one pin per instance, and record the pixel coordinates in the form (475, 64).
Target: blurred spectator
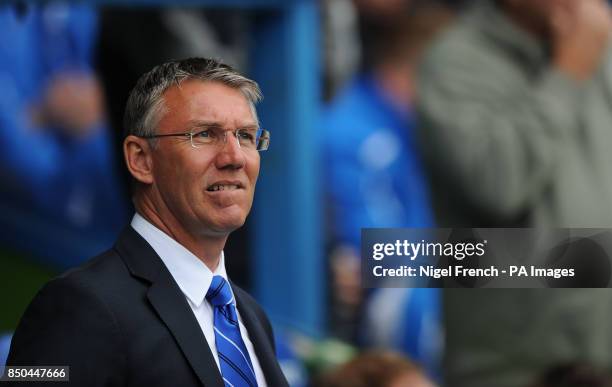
(380, 19)
(55, 161)
(352, 31)
(516, 105)
(375, 369)
(374, 175)
(574, 375)
(410, 321)
(376, 20)
(367, 187)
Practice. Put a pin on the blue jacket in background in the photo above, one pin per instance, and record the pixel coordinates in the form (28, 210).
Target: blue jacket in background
(53, 187)
(374, 176)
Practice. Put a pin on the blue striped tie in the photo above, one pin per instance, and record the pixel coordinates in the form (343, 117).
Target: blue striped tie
(236, 367)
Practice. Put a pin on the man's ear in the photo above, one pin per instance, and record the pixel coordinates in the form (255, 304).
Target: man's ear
(138, 158)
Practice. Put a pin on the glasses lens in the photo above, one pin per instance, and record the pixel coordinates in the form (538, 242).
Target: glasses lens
(202, 137)
(247, 138)
(256, 139)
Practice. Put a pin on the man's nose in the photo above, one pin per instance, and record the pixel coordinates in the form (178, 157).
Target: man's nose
(230, 155)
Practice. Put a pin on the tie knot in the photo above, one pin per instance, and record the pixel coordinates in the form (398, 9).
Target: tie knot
(219, 293)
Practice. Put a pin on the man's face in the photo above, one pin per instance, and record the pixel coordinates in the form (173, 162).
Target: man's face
(184, 176)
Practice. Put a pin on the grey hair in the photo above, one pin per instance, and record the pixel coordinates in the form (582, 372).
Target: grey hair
(145, 106)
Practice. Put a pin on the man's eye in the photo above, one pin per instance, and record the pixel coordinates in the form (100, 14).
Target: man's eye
(246, 135)
(203, 134)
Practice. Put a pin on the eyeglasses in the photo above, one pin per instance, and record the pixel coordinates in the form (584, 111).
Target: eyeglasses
(252, 139)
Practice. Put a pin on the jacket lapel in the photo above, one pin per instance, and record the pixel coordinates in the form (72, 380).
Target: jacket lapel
(170, 304)
(261, 341)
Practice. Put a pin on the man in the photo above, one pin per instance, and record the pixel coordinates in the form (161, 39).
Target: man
(156, 309)
(373, 112)
(516, 105)
(57, 164)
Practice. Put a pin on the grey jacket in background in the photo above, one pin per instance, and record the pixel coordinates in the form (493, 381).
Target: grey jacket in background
(510, 141)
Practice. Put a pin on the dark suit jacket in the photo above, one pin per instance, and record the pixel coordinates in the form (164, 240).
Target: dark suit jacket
(121, 320)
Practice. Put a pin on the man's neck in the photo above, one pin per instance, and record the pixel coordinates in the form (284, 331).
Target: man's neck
(207, 248)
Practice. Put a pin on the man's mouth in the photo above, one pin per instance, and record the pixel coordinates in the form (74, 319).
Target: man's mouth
(224, 187)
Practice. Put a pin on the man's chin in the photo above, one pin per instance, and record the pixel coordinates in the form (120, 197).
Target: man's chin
(227, 225)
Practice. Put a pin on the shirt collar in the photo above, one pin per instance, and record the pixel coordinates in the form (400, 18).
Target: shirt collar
(189, 272)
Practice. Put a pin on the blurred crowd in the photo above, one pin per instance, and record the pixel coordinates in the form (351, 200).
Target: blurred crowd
(57, 160)
(502, 120)
(474, 113)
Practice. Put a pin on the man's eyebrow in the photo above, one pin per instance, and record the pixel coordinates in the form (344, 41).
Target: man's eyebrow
(204, 124)
(218, 125)
(249, 127)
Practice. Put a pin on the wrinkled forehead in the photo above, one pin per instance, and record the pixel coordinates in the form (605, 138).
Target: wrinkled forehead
(207, 101)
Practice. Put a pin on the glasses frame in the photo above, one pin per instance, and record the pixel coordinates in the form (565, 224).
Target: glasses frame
(262, 137)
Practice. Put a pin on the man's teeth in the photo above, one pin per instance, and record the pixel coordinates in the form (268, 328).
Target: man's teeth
(223, 187)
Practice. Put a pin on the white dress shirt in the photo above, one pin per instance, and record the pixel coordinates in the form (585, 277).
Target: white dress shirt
(194, 279)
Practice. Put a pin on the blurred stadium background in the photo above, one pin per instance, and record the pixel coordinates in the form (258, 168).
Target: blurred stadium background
(339, 83)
